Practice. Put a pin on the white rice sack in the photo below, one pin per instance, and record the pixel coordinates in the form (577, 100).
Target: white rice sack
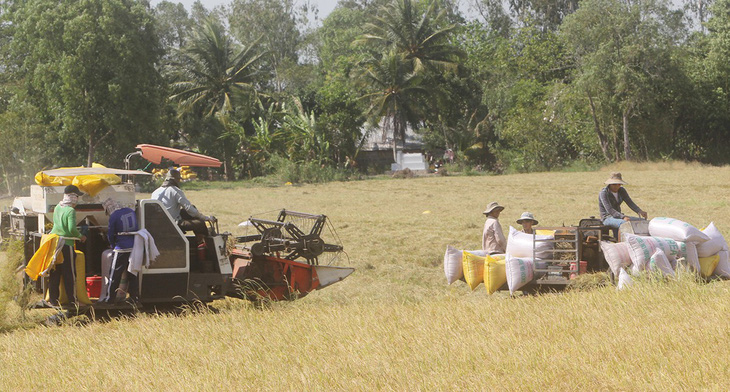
(520, 244)
(676, 230)
(689, 253)
(723, 266)
(624, 280)
(452, 264)
(715, 244)
(520, 271)
(616, 254)
(641, 248)
(660, 263)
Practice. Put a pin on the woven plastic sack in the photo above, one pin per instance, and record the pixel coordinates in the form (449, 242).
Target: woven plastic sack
(715, 244)
(520, 271)
(473, 269)
(495, 273)
(659, 263)
(723, 264)
(708, 265)
(689, 254)
(617, 255)
(676, 230)
(453, 267)
(641, 248)
(520, 244)
(624, 280)
(453, 264)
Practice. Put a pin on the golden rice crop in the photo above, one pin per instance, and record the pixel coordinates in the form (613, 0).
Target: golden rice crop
(395, 325)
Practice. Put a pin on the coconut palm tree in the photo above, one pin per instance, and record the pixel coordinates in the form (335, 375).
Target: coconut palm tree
(415, 33)
(214, 77)
(396, 94)
(409, 46)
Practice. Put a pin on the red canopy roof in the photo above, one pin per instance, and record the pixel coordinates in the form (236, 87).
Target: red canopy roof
(155, 154)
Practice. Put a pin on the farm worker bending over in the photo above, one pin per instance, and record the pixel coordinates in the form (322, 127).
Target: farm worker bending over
(527, 220)
(609, 203)
(182, 211)
(121, 220)
(493, 240)
(64, 225)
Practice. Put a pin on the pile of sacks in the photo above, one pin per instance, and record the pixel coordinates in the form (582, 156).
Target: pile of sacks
(514, 269)
(671, 244)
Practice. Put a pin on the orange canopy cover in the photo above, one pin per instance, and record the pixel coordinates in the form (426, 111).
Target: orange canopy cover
(155, 154)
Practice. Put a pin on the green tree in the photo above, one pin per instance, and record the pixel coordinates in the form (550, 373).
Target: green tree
(622, 52)
(215, 78)
(173, 24)
(90, 68)
(279, 25)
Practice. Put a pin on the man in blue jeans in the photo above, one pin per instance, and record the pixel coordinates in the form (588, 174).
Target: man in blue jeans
(609, 203)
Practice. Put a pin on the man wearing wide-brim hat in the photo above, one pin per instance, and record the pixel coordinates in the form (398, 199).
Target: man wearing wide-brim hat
(527, 220)
(493, 241)
(609, 203)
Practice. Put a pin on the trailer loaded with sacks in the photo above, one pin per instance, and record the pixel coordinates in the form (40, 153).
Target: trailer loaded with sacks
(552, 258)
(288, 257)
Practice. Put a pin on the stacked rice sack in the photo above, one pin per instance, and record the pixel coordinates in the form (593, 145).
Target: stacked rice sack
(475, 267)
(670, 242)
(516, 268)
(520, 264)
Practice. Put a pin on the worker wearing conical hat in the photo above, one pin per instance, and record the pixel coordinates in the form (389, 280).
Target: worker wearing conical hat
(609, 203)
(493, 241)
(527, 220)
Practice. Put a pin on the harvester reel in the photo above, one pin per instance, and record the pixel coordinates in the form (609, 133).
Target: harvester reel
(284, 236)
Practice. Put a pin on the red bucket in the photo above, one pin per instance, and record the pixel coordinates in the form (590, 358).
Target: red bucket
(93, 286)
(583, 268)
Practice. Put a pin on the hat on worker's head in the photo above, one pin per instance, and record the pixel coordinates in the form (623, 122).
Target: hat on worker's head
(615, 179)
(173, 174)
(527, 216)
(72, 189)
(491, 207)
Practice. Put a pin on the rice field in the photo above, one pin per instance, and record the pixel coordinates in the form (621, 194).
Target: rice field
(395, 325)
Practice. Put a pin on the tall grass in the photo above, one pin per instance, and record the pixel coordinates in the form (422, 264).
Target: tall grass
(13, 298)
(395, 324)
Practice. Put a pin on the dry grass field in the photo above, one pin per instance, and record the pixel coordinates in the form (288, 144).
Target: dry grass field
(395, 325)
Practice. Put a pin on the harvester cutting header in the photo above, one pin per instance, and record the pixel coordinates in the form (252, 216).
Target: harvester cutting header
(284, 260)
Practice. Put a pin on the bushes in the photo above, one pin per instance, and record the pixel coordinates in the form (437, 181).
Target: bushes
(306, 172)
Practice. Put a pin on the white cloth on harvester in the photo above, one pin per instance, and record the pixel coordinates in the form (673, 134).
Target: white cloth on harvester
(143, 253)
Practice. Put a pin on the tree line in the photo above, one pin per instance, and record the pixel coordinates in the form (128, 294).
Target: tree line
(517, 85)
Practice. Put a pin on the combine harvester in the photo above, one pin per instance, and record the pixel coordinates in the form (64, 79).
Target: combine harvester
(281, 262)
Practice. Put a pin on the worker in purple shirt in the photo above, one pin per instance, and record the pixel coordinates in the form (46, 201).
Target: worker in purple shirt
(121, 220)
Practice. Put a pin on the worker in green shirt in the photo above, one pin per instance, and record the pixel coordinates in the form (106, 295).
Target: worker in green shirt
(64, 225)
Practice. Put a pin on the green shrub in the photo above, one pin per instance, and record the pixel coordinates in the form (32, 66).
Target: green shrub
(306, 172)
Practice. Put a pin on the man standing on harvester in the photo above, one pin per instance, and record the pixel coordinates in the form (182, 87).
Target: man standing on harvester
(187, 217)
(121, 220)
(64, 225)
